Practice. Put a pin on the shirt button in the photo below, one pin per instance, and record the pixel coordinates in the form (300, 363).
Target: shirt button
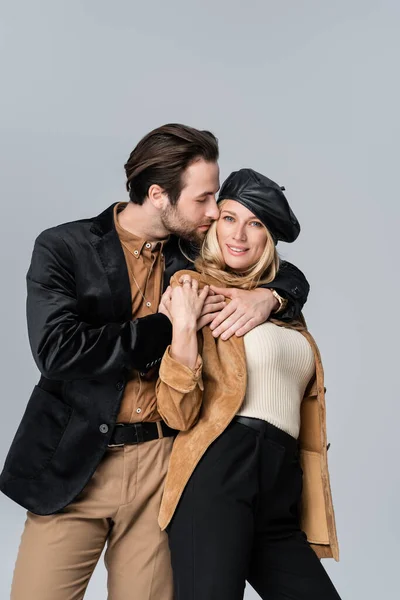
(103, 428)
(120, 385)
(136, 252)
(138, 410)
(148, 245)
(148, 304)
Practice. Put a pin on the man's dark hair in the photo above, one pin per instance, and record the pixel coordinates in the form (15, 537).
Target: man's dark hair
(161, 157)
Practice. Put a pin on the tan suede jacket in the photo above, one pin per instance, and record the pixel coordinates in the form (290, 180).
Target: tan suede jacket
(202, 402)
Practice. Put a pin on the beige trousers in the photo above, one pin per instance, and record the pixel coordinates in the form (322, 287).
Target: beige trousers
(118, 508)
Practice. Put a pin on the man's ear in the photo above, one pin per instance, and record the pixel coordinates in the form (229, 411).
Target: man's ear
(157, 196)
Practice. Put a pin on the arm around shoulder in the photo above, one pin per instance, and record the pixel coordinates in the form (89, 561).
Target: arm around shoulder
(292, 285)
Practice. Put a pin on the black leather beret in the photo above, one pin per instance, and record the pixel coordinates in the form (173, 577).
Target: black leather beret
(265, 199)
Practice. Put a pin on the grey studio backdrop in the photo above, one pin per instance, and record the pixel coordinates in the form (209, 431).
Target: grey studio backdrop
(304, 91)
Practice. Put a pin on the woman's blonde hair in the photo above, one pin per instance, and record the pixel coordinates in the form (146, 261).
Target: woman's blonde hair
(211, 262)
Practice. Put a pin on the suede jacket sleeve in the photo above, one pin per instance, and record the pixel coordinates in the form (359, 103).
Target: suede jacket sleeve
(179, 392)
(63, 345)
(291, 284)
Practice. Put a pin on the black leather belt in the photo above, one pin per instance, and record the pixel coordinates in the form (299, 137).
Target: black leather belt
(257, 424)
(136, 433)
(268, 430)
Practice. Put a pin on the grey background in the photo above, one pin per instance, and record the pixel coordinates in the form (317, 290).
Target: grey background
(306, 92)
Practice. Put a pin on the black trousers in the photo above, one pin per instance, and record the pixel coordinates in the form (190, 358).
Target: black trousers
(238, 520)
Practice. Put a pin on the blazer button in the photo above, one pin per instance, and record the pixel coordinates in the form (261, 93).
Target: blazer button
(103, 428)
(120, 385)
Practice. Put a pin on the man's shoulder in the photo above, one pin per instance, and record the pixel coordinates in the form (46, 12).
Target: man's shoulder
(65, 229)
(79, 228)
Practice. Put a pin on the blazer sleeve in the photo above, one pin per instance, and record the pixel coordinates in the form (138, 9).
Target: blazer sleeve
(65, 347)
(291, 284)
(179, 392)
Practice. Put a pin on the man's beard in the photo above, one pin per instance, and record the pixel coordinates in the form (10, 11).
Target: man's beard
(178, 225)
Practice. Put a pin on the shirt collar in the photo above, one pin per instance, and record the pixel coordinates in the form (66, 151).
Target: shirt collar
(132, 242)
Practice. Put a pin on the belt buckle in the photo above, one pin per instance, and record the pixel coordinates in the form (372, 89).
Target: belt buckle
(117, 445)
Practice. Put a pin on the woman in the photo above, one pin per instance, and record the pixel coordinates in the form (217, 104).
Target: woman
(250, 412)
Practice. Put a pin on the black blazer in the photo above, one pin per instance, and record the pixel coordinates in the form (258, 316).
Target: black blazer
(85, 344)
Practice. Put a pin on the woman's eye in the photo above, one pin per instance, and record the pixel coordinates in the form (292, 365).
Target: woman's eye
(228, 218)
(256, 223)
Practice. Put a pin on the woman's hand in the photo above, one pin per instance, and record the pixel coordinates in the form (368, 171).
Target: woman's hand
(187, 302)
(165, 302)
(183, 304)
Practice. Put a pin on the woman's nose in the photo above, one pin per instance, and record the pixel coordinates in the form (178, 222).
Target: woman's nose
(239, 234)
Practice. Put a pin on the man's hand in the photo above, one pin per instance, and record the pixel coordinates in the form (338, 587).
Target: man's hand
(246, 310)
(212, 307)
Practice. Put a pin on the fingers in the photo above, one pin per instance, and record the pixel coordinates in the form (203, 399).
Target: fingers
(251, 323)
(212, 308)
(229, 322)
(226, 327)
(213, 304)
(237, 324)
(165, 303)
(228, 292)
(185, 280)
(166, 299)
(167, 293)
(188, 282)
(204, 293)
(215, 299)
(204, 320)
(232, 326)
(222, 316)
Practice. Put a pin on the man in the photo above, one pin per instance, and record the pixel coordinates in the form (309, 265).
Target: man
(90, 455)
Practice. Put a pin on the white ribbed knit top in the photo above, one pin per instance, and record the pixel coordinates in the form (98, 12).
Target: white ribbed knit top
(280, 364)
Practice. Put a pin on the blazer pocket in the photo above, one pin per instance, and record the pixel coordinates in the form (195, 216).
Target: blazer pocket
(38, 436)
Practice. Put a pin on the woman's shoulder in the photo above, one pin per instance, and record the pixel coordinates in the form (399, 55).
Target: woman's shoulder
(193, 274)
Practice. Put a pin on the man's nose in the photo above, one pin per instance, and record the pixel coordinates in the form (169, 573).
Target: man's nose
(212, 210)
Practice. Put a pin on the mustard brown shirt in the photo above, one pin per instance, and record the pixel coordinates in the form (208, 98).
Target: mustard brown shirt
(145, 263)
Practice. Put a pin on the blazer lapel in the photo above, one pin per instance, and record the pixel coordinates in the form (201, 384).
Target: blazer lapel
(106, 242)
